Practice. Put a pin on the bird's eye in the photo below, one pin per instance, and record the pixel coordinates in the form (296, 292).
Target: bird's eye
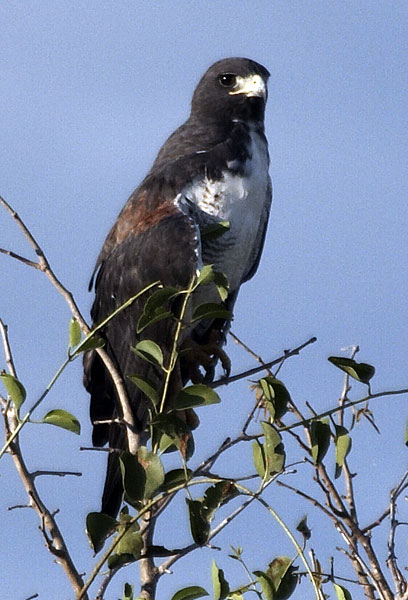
(227, 79)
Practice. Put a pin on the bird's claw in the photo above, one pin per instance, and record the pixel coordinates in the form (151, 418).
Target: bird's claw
(205, 356)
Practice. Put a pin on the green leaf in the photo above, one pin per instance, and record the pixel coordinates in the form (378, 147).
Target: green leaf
(128, 550)
(273, 449)
(259, 458)
(149, 351)
(320, 438)
(360, 371)
(130, 545)
(91, 344)
(206, 275)
(276, 396)
(211, 310)
(146, 320)
(175, 478)
(216, 496)
(284, 579)
(341, 592)
(64, 419)
(220, 584)
(196, 395)
(98, 527)
(222, 284)
(154, 470)
(15, 389)
(74, 333)
(211, 232)
(156, 307)
(133, 477)
(174, 432)
(190, 593)
(199, 525)
(146, 386)
(343, 447)
(266, 585)
(127, 592)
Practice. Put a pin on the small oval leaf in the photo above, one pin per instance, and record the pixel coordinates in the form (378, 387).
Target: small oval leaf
(341, 592)
(147, 387)
(199, 525)
(220, 584)
(283, 577)
(156, 308)
(206, 275)
(212, 232)
(154, 470)
(190, 593)
(91, 344)
(216, 496)
(274, 452)
(149, 351)
(320, 438)
(259, 458)
(211, 310)
(196, 395)
(343, 447)
(266, 585)
(64, 419)
(133, 477)
(15, 389)
(175, 478)
(362, 372)
(98, 527)
(276, 396)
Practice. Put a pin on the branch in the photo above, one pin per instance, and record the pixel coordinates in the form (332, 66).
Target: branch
(263, 367)
(43, 265)
(399, 580)
(56, 543)
(349, 404)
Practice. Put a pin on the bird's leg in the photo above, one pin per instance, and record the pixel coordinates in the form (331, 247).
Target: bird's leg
(206, 355)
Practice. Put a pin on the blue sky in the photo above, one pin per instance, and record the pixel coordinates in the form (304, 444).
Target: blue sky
(90, 90)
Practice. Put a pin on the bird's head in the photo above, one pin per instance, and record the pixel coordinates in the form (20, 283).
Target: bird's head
(231, 89)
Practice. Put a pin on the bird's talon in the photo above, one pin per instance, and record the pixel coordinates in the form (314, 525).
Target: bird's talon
(205, 356)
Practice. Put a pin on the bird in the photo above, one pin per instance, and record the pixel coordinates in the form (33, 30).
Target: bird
(213, 171)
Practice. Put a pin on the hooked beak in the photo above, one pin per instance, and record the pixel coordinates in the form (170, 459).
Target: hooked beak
(253, 85)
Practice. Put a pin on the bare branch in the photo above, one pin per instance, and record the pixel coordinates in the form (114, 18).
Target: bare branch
(35, 474)
(399, 581)
(26, 261)
(266, 366)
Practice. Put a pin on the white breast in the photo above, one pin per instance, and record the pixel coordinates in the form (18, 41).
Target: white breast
(240, 200)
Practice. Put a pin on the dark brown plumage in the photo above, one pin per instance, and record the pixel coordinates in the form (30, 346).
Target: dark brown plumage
(213, 168)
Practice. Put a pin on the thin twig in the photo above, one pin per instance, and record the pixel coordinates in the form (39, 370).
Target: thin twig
(266, 366)
(35, 474)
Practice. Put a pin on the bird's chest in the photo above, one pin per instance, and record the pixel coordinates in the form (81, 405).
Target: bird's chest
(238, 197)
